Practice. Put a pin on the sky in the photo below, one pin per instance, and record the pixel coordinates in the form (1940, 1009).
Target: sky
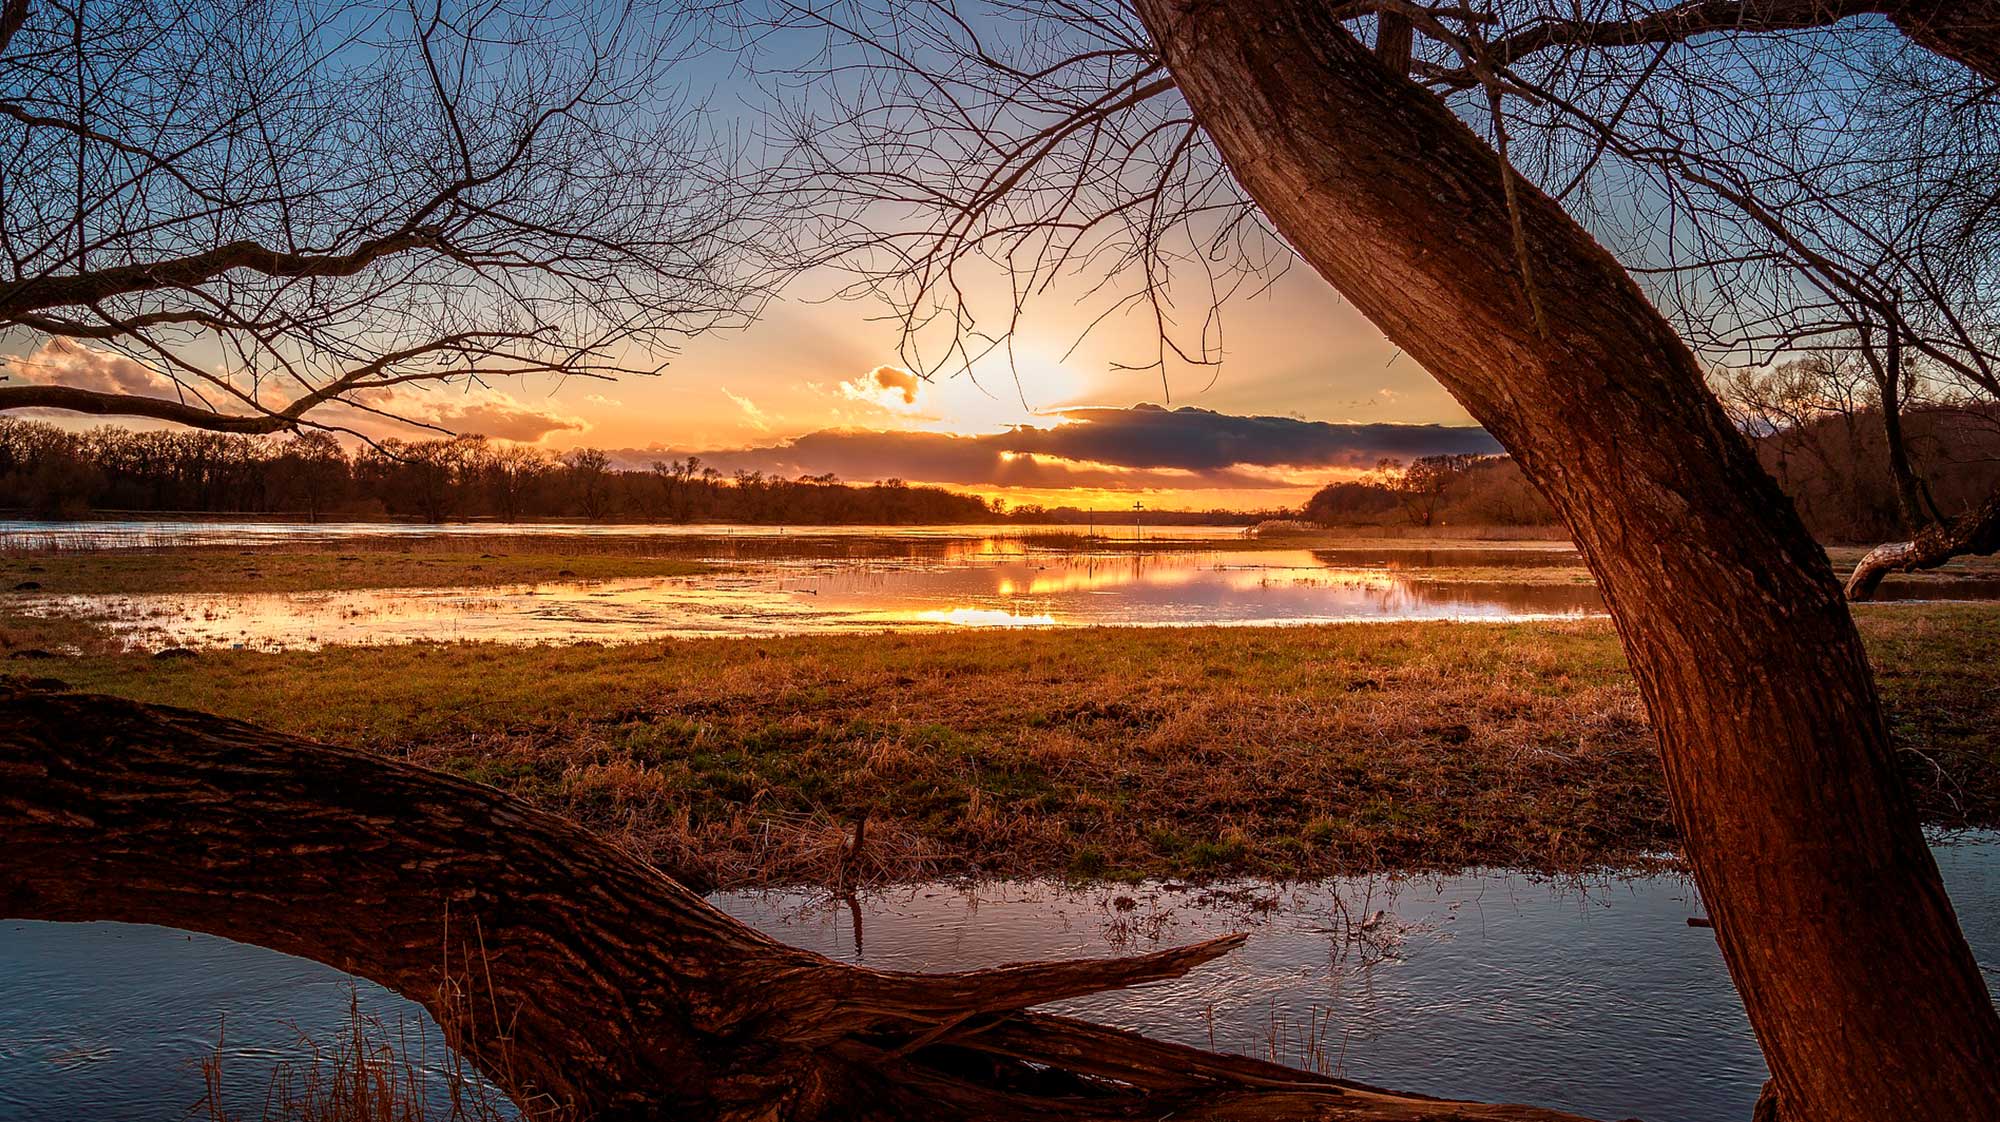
(1308, 393)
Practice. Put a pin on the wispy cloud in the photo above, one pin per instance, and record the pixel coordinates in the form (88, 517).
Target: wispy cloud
(64, 362)
(750, 411)
(467, 410)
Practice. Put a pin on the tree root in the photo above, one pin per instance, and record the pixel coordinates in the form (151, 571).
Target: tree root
(584, 982)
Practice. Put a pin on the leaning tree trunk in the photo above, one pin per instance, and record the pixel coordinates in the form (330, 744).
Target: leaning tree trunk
(1829, 909)
(583, 981)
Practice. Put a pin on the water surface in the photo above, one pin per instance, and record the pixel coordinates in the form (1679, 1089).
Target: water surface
(148, 533)
(1595, 997)
(820, 586)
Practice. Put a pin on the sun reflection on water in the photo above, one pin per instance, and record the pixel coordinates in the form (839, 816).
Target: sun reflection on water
(981, 583)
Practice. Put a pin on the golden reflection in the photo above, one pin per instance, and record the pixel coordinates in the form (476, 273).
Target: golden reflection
(1275, 568)
(995, 583)
(984, 617)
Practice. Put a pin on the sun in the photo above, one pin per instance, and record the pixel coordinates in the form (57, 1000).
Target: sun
(997, 395)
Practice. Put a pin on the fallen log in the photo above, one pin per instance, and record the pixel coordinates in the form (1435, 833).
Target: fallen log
(584, 982)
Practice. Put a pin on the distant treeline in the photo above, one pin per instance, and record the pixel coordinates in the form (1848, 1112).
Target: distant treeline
(1460, 490)
(51, 472)
(1832, 466)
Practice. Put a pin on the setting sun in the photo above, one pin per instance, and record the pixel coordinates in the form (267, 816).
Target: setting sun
(995, 397)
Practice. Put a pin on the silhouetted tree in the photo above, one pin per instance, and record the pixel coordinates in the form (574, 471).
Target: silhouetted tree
(315, 467)
(239, 215)
(588, 473)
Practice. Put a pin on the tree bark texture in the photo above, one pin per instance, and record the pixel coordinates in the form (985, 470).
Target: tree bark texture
(584, 982)
(1829, 909)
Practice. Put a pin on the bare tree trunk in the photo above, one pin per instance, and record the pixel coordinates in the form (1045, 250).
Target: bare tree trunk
(587, 984)
(1395, 39)
(1829, 909)
(1909, 489)
(1976, 532)
(1912, 500)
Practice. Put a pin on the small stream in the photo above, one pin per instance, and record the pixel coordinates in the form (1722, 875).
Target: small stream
(1594, 996)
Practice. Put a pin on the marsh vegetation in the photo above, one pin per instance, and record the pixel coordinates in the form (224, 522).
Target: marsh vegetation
(1101, 752)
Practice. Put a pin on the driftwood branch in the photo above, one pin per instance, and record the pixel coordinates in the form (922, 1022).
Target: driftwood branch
(583, 981)
(1975, 533)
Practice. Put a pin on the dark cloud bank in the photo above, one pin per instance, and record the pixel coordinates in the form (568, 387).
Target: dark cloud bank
(1143, 447)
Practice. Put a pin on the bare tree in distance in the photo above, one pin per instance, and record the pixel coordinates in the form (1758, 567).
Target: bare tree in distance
(1437, 180)
(260, 214)
(1420, 486)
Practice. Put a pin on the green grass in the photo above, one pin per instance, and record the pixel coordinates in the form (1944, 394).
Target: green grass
(293, 569)
(1099, 753)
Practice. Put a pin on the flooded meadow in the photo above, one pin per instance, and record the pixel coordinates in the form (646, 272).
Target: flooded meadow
(1589, 991)
(816, 581)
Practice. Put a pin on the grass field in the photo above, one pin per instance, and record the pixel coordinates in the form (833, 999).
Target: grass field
(1093, 753)
(296, 569)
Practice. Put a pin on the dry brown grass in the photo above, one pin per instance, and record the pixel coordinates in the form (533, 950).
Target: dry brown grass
(367, 1071)
(1096, 753)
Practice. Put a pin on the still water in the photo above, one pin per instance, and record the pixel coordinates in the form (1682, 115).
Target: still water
(25, 534)
(1596, 997)
(831, 585)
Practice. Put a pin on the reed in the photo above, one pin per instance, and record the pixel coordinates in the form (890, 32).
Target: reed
(365, 1071)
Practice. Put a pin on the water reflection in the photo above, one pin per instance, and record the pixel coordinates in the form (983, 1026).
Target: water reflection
(972, 583)
(109, 1022)
(1596, 998)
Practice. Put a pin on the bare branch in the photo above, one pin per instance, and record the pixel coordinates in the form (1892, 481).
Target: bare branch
(101, 404)
(259, 200)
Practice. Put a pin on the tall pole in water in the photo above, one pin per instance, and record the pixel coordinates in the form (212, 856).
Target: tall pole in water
(1136, 534)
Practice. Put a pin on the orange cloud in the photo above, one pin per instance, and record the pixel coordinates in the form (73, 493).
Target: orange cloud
(455, 408)
(481, 410)
(65, 362)
(885, 386)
